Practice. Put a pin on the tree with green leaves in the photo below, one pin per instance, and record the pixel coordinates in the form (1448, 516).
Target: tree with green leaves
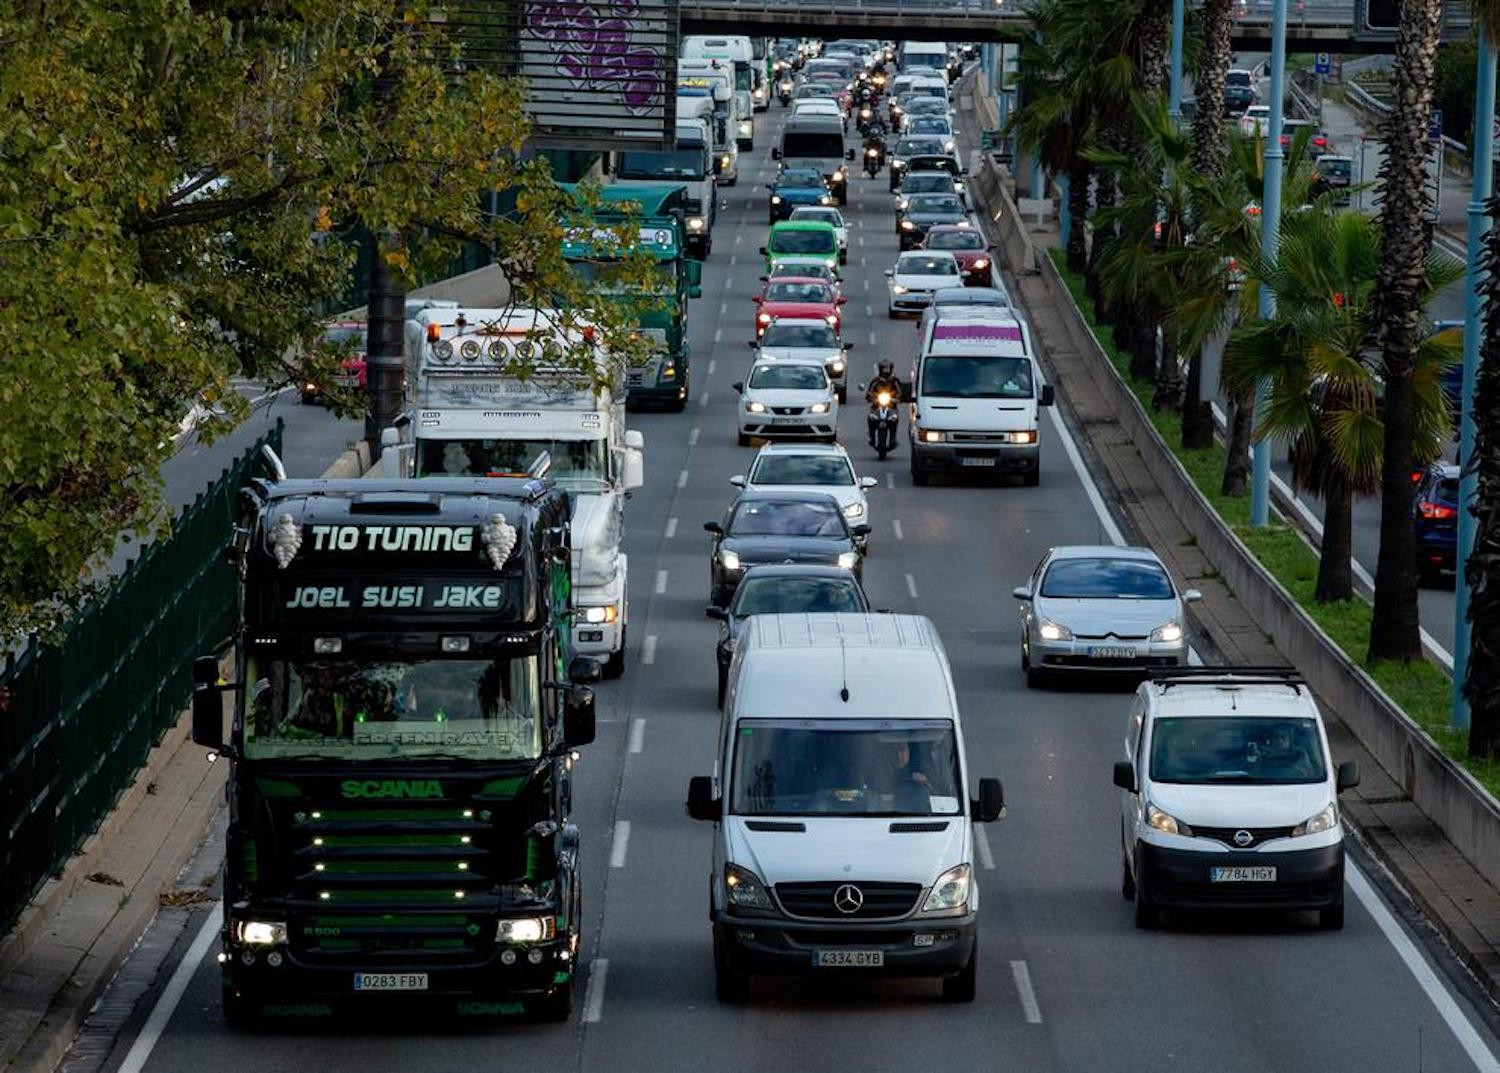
(179, 180)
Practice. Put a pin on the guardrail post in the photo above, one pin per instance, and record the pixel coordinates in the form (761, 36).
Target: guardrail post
(1270, 229)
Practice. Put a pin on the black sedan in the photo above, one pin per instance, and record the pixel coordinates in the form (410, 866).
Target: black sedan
(926, 211)
(779, 527)
(783, 587)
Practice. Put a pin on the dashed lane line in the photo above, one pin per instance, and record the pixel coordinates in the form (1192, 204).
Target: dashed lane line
(648, 650)
(621, 844)
(637, 740)
(661, 582)
(911, 586)
(693, 437)
(671, 528)
(1027, 994)
(682, 479)
(712, 365)
(593, 1003)
(896, 525)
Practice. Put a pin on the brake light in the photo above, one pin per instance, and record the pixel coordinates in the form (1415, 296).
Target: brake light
(1436, 511)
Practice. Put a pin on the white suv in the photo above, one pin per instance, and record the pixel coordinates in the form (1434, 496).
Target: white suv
(1229, 796)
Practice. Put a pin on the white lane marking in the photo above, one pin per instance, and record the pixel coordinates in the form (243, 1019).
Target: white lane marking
(712, 365)
(621, 844)
(661, 582)
(703, 399)
(1470, 1040)
(648, 650)
(1022, 976)
(718, 335)
(890, 481)
(1089, 487)
(861, 240)
(867, 284)
(896, 525)
(637, 734)
(671, 528)
(166, 1003)
(873, 340)
(682, 479)
(982, 848)
(733, 259)
(693, 437)
(723, 308)
(593, 1003)
(869, 310)
(737, 236)
(911, 586)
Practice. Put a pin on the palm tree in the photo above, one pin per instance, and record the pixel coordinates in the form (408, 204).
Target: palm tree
(1317, 355)
(1405, 244)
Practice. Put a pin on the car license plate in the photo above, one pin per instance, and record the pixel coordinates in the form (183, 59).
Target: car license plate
(976, 461)
(849, 959)
(1109, 652)
(1241, 874)
(390, 981)
(349, 380)
(787, 421)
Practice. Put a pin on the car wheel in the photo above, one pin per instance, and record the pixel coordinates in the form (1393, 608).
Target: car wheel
(614, 666)
(723, 683)
(730, 987)
(1332, 918)
(964, 986)
(891, 312)
(744, 440)
(1036, 678)
(1147, 915)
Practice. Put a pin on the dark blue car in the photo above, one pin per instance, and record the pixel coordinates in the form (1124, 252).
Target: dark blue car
(1453, 375)
(797, 186)
(1434, 516)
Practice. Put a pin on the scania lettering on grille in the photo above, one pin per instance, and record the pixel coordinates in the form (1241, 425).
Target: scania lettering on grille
(417, 789)
(397, 538)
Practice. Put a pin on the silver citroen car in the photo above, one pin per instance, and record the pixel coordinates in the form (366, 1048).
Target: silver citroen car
(1101, 608)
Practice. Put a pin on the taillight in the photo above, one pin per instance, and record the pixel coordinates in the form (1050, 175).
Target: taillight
(1436, 511)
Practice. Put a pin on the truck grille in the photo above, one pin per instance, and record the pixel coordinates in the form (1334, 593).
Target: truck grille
(877, 900)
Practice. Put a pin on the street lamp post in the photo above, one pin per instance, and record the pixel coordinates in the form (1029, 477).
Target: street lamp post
(1270, 229)
(1484, 177)
(1174, 83)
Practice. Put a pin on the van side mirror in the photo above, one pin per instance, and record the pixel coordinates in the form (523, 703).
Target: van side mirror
(989, 806)
(1191, 596)
(907, 395)
(1125, 775)
(584, 671)
(860, 530)
(208, 704)
(701, 802)
(1048, 395)
(1348, 776)
(578, 716)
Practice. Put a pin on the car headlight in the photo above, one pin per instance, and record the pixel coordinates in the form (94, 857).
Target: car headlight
(981, 262)
(933, 435)
(950, 891)
(907, 225)
(1166, 823)
(1172, 631)
(763, 318)
(898, 164)
(947, 147)
(836, 366)
(832, 319)
(854, 510)
(824, 199)
(260, 932)
(1052, 631)
(848, 559)
(958, 187)
(724, 162)
(831, 263)
(775, 199)
(743, 889)
(818, 408)
(962, 223)
(526, 930)
(1325, 820)
(729, 560)
(902, 205)
(755, 407)
(597, 615)
(896, 288)
(695, 223)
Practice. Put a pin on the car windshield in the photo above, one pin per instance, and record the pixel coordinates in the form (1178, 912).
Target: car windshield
(927, 182)
(797, 240)
(789, 377)
(469, 708)
(802, 469)
(977, 377)
(345, 337)
(925, 106)
(799, 292)
(1249, 751)
(830, 217)
(787, 517)
(954, 240)
(788, 595)
(945, 164)
(800, 335)
(667, 164)
(928, 125)
(800, 767)
(1237, 77)
(576, 464)
(916, 146)
(820, 271)
(822, 144)
(1339, 168)
(1107, 579)
(800, 179)
(935, 203)
(918, 265)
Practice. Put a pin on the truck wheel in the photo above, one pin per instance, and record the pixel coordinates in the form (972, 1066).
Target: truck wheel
(240, 1012)
(614, 666)
(964, 986)
(553, 1008)
(730, 987)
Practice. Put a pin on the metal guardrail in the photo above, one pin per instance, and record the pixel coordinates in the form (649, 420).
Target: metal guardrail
(1456, 157)
(78, 719)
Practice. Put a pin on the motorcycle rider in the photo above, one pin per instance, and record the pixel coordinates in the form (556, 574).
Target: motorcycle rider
(885, 381)
(875, 139)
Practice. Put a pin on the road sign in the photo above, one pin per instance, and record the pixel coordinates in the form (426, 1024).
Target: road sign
(1322, 63)
(1435, 126)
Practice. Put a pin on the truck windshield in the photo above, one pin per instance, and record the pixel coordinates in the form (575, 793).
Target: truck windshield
(578, 465)
(340, 709)
(1246, 751)
(818, 144)
(790, 767)
(598, 272)
(977, 378)
(669, 164)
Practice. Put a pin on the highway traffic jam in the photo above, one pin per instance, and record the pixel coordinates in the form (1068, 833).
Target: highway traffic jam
(481, 706)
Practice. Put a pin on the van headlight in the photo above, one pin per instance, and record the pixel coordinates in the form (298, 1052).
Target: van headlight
(907, 225)
(744, 890)
(932, 435)
(1052, 631)
(1172, 631)
(526, 930)
(260, 932)
(1326, 820)
(1166, 823)
(950, 892)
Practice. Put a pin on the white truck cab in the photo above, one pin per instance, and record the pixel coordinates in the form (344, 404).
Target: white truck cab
(705, 88)
(977, 392)
(840, 797)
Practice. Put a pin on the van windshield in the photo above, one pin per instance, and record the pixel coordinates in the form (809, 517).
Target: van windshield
(977, 378)
(801, 767)
(1246, 751)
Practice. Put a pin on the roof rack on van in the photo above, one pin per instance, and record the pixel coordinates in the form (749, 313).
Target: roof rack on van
(1283, 675)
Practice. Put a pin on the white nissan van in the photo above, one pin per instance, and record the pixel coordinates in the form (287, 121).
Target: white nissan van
(843, 840)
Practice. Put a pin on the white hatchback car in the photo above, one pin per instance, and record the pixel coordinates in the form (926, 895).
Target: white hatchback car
(1229, 796)
(787, 397)
(827, 214)
(799, 467)
(917, 276)
(807, 339)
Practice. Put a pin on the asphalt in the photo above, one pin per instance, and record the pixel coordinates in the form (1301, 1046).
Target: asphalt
(1066, 981)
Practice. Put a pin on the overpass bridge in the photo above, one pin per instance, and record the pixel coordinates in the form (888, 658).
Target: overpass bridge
(1312, 25)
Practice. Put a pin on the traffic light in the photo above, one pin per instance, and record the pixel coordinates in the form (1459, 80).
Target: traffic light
(1382, 16)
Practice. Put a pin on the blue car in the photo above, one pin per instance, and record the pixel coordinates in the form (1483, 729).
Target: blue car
(1453, 375)
(1434, 516)
(795, 187)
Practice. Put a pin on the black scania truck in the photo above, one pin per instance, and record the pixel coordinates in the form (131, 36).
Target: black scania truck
(401, 748)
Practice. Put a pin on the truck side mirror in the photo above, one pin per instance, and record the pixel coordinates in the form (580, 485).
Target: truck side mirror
(208, 704)
(989, 806)
(584, 671)
(1125, 775)
(634, 475)
(1048, 395)
(578, 716)
(695, 279)
(701, 802)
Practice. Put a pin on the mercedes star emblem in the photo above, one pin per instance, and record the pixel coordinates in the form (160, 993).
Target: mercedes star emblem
(1243, 838)
(848, 898)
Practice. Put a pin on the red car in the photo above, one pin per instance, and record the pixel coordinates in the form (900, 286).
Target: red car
(342, 335)
(800, 297)
(968, 247)
(836, 88)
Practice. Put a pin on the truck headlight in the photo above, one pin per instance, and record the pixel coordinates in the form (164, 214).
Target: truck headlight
(695, 223)
(260, 932)
(848, 559)
(743, 889)
(1166, 823)
(526, 930)
(730, 560)
(950, 891)
(854, 510)
(596, 615)
(1172, 631)
(1325, 820)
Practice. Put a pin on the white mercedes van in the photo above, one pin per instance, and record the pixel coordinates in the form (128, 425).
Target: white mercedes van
(843, 840)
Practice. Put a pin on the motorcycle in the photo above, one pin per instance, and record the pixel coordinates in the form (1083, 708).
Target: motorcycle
(784, 90)
(874, 160)
(884, 420)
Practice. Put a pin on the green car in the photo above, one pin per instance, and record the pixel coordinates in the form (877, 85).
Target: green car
(802, 240)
